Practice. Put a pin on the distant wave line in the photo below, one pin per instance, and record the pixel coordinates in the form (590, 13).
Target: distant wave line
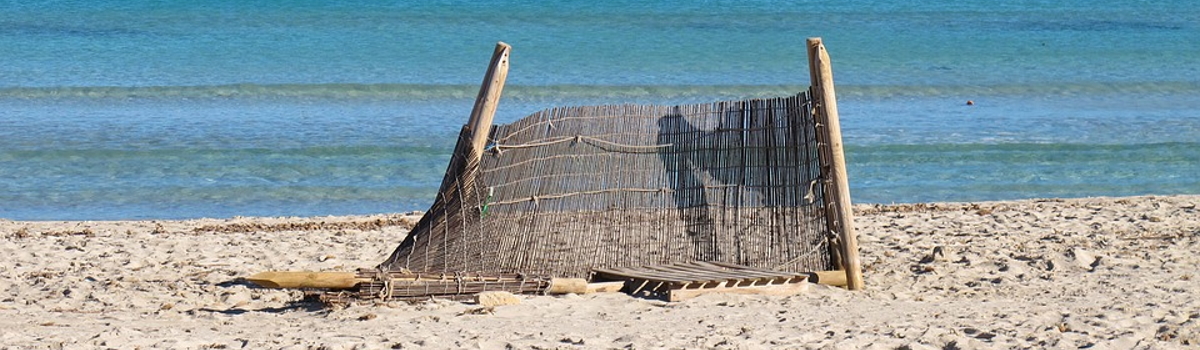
(535, 92)
(341, 152)
(1171, 152)
(389, 91)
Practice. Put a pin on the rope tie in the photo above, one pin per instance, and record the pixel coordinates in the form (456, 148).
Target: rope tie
(832, 236)
(816, 248)
(812, 192)
(388, 285)
(600, 143)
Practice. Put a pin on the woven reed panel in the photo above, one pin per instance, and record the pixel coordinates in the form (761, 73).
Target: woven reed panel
(566, 190)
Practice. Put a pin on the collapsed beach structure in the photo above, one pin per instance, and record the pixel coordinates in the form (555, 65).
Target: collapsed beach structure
(749, 195)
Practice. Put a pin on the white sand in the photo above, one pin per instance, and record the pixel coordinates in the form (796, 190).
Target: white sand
(1111, 272)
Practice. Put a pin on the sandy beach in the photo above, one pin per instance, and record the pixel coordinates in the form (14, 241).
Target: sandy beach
(1115, 273)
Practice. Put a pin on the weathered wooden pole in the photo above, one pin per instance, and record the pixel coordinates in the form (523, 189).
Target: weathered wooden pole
(480, 123)
(821, 73)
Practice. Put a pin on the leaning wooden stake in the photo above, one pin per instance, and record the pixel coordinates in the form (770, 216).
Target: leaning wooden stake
(839, 193)
(489, 97)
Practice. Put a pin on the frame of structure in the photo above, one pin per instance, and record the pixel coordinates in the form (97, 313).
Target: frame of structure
(834, 167)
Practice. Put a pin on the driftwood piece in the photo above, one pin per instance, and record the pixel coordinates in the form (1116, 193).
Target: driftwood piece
(306, 279)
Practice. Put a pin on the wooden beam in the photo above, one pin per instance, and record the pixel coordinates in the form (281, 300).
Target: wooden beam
(567, 285)
(306, 279)
(821, 73)
(480, 123)
(836, 278)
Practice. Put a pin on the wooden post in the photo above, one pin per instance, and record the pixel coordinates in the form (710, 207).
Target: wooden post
(489, 97)
(821, 73)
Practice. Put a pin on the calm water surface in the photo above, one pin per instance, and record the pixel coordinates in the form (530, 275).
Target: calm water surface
(149, 109)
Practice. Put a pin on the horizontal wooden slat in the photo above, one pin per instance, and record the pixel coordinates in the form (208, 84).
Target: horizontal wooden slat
(751, 269)
(702, 275)
(751, 274)
(623, 274)
(777, 290)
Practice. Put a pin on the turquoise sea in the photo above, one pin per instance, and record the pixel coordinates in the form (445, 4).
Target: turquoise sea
(143, 109)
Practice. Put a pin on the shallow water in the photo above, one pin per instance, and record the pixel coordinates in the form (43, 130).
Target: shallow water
(140, 109)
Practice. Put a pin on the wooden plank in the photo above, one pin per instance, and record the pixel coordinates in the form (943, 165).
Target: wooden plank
(611, 275)
(743, 267)
(687, 275)
(748, 268)
(821, 73)
(691, 276)
(701, 269)
(787, 289)
(699, 275)
(651, 273)
(756, 273)
(741, 277)
(715, 274)
(747, 274)
(625, 274)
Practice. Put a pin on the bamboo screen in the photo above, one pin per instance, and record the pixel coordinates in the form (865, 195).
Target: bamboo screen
(566, 190)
